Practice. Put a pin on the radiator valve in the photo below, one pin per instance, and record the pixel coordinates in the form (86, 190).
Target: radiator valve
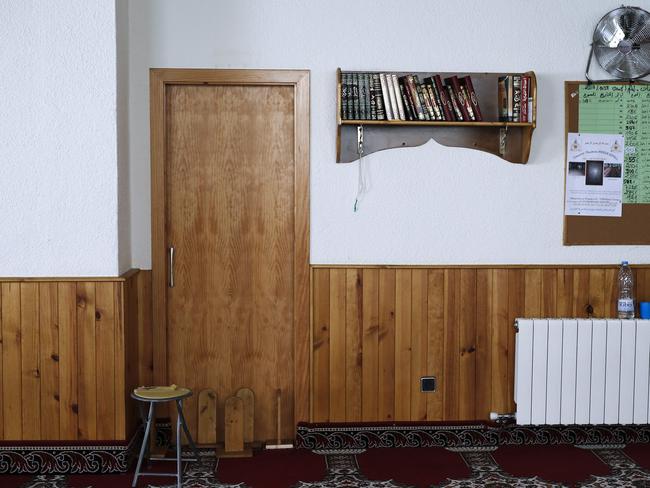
(502, 418)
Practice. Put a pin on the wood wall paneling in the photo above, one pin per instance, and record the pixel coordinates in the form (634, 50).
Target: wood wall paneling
(68, 361)
(353, 343)
(419, 342)
(49, 360)
(369, 325)
(134, 347)
(29, 345)
(450, 378)
(337, 336)
(11, 362)
(87, 367)
(386, 345)
(403, 344)
(65, 374)
(436, 339)
(123, 336)
(321, 355)
(105, 326)
(377, 330)
(483, 341)
(369, 345)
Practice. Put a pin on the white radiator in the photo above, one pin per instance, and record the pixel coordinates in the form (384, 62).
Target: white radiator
(582, 371)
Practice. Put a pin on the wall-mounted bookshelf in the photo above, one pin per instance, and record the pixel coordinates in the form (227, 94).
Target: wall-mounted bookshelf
(507, 139)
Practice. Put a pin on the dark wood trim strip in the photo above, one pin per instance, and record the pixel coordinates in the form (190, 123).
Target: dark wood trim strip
(476, 266)
(49, 279)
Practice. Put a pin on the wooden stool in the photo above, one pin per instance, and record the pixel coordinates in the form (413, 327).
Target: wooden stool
(160, 394)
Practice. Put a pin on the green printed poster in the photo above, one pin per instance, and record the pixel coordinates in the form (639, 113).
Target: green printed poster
(622, 109)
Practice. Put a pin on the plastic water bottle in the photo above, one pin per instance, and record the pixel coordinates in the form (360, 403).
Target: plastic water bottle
(625, 292)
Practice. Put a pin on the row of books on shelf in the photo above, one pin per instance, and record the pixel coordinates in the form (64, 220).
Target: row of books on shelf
(386, 96)
(515, 99)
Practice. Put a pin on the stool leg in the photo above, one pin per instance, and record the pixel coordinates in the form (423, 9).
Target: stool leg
(145, 441)
(179, 468)
(179, 404)
(143, 416)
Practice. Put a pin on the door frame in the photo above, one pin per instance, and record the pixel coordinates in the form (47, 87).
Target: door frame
(159, 79)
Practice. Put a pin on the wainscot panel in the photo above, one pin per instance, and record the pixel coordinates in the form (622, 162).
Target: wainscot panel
(72, 350)
(376, 330)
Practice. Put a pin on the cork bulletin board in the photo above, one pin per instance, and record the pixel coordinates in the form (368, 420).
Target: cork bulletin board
(614, 108)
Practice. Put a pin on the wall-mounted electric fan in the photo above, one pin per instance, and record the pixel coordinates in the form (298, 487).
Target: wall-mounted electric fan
(621, 43)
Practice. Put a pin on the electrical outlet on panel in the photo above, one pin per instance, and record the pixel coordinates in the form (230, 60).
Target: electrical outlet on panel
(428, 384)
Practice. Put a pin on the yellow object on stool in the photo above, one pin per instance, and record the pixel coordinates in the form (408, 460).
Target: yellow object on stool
(160, 394)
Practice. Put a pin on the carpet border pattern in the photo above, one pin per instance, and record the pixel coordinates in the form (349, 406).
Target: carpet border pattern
(458, 436)
(67, 458)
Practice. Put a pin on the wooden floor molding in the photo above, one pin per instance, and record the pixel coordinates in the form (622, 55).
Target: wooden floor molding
(377, 329)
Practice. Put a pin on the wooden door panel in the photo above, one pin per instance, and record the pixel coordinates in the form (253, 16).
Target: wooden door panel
(230, 217)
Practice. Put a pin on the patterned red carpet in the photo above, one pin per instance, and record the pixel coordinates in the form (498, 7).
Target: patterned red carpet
(507, 466)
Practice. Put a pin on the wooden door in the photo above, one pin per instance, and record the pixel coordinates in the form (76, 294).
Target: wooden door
(230, 196)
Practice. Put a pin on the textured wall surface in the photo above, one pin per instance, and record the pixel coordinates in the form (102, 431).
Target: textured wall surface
(426, 205)
(122, 93)
(58, 170)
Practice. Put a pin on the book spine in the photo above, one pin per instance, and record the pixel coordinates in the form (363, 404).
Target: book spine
(386, 96)
(373, 100)
(432, 97)
(419, 110)
(467, 102)
(422, 98)
(473, 98)
(363, 97)
(368, 84)
(392, 96)
(379, 98)
(510, 97)
(439, 99)
(344, 96)
(444, 99)
(400, 105)
(355, 96)
(516, 98)
(454, 103)
(350, 85)
(408, 105)
(525, 81)
(350, 96)
(452, 81)
(503, 98)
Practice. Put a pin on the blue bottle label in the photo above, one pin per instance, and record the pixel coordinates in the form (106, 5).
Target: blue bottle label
(626, 305)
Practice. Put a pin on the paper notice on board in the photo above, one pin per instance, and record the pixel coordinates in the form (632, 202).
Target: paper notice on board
(594, 177)
(622, 109)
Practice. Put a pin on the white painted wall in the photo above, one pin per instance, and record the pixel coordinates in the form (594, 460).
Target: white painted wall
(58, 171)
(64, 142)
(427, 205)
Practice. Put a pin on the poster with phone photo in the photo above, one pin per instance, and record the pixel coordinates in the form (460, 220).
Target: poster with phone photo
(594, 175)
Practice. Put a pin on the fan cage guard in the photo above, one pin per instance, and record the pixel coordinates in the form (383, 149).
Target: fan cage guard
(624, 47)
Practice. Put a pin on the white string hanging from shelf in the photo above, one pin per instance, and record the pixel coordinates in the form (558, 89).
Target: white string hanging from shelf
(362, 186)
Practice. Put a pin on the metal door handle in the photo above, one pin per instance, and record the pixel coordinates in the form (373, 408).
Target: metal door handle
(171, 267)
